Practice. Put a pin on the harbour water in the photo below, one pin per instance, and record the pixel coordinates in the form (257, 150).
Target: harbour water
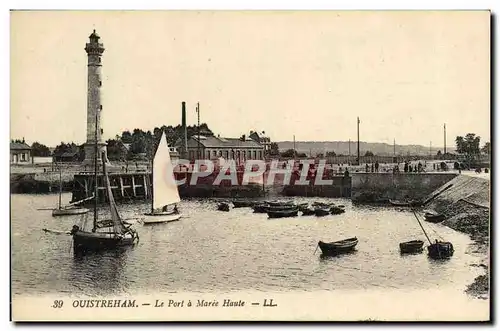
(213, 251)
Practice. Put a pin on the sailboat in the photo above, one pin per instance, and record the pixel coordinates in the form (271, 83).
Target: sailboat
(105, 234)
(70, 209)
(164, 189)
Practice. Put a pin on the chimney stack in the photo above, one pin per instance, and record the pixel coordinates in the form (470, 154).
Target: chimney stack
(184, 131)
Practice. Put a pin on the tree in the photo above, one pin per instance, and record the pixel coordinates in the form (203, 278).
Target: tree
(274, 149)
(468, 145)
(330, 154)
(369, 154)
(38, 149)
(439, 154)
(486, 148)
(288, 153)
(116, 150)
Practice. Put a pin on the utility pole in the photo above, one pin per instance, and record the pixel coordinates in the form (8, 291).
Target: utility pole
(359, 161)
(294, 152)
(198, 112)
(444, 127)
(430, 150)
(394, 151)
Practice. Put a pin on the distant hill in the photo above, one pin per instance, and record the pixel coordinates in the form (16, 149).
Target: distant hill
(342, 147)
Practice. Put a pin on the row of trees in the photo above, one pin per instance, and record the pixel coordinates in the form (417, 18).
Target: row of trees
(141, 144)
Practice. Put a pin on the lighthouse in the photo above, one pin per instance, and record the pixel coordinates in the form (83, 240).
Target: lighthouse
(94, 51)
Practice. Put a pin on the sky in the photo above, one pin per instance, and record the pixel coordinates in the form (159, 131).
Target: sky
(308, 74)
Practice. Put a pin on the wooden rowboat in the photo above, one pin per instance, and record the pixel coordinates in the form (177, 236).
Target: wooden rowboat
(338, 247)
(321, 211)
(434, 217)
(285, 212)
(413, 246)
(440, 250)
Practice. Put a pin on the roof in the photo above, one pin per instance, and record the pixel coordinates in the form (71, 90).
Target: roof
(220, 142)
(94, 35)
(19, 146)
(68, 154)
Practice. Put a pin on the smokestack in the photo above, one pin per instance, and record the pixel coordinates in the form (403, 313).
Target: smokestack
(184, 131)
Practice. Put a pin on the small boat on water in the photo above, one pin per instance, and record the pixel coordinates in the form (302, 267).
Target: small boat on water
(70, 209)
(337, 210)
(321, 211)
(165, 192)
(308, 212)
(302, 206)
(434, 217)
(338, 247)
(440, 250)
(260, 208)
(412, 246)
(223, 206)
(322, 204)
(282, 212)
(105, 234)
(243, 203)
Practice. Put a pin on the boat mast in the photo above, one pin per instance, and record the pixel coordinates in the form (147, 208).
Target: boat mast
(421, 226)
(60, 185)
(95, 175)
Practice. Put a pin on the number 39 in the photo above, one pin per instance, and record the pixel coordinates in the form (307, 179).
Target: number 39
(57, 304)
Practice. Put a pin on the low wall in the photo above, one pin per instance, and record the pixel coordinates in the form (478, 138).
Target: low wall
(374, 187)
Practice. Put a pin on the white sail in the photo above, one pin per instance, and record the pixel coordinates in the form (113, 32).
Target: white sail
(165, 190)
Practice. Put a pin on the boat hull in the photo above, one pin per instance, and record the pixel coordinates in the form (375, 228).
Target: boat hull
(223, 207)
(321, 212)
(338, 247)
(96, 241)
(282, 213)
(434, 218)
(307, 212)
(161, 217)
(260, 208)
(243, 204)
(69, 211)
(410, 247)
(337, 210)
(440, 250)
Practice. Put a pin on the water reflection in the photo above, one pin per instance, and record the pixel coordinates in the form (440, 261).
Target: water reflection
(324, 257)
(210, 250)
(102, 270)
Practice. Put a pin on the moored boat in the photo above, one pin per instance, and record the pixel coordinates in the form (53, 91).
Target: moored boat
(434, 217)
(307, 212)
(243, 203)
(321, 211)
(412, 246)
(338, 247)
(337, 210)
(440, 250)
(223, 206)
(282, 212)
(107, 234)
(70, 209)
(65, 211)
(260, 208)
